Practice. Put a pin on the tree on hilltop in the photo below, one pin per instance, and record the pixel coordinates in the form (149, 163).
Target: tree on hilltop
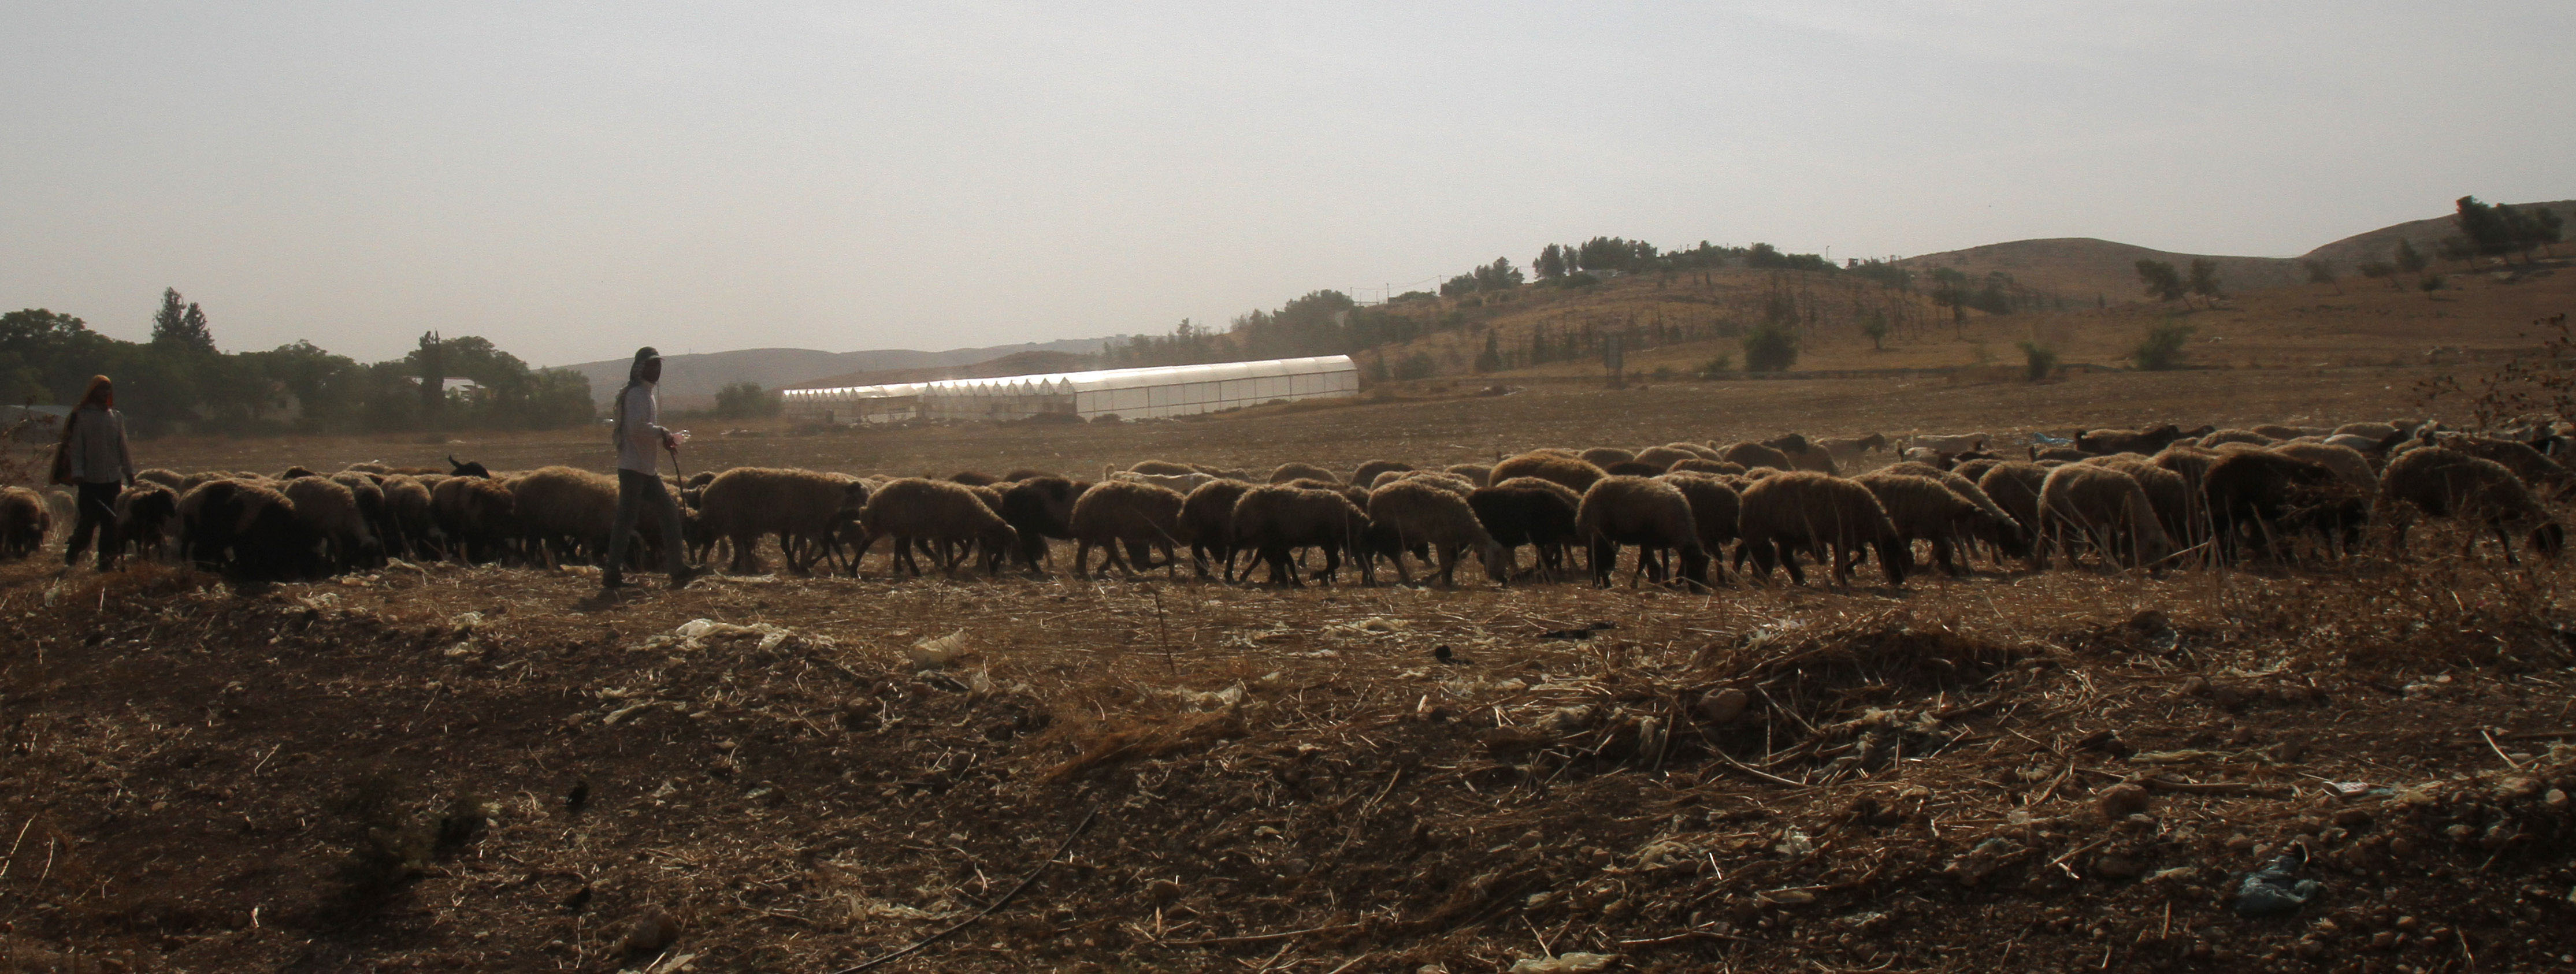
(2204, 279)
(181, 324)
(2162, 281)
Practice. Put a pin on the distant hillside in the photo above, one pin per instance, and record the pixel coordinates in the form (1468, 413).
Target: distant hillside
(690, 379)
(1016, 363)
(2353, 251)
(2079, 268)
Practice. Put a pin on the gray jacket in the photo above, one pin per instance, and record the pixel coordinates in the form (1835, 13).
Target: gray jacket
(97, 447)
(639, 440)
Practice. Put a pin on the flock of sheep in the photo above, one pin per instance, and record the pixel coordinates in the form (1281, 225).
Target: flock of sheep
(2134, 498)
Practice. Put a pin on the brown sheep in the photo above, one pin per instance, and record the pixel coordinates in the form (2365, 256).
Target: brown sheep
(2014, 487)
(1662, 457)
(2222, 437)
(1802, 454)
(1652, 514)
(1633, 468)
(23, 522)
(2346, 462)
(1450, 482)
(973, 478)
(1475, 473)
(1275, 520)
(2266, 497)
(1700, 465)
(369, 467)
(807, 510)
(1160, 468)
(1604, 456)
(1851, 451)
(246, 529)
(2105, 506)
(1207, 522)
(2179, 509)
(914, 511)
(2446, 483)
(1366, 475)
(2061, 454)
(1975, 469)
(329, 510)
(566, 514)
(145, 515)
(1303, 471)
(2004, 529)
(1531, 511)
(1752, 455)
(1422, 512)
(479, 517)
(1716, 510)
(164, 476)
(407, 506)
(1574, 473)
(1834, 520)
(1040, 507)
(2543, 475)
(1119, 513)
(2143, 442)
(1925, 509)
(2191, 462)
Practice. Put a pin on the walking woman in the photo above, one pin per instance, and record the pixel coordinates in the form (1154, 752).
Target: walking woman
(640, 443)
(92, 458)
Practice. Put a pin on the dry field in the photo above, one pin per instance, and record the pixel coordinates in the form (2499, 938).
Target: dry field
(438, 767)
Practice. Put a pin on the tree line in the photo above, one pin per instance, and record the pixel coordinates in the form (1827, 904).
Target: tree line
(179, 382)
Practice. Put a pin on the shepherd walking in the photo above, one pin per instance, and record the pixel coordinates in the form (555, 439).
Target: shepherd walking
(640, 443)
(92, 459)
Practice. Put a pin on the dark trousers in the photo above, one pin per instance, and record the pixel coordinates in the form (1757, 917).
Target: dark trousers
(96, 507)
(636, 491)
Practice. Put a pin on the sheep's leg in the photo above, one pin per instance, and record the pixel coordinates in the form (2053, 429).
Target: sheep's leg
(1082, 558)
(1602, 557)
(1448, 555)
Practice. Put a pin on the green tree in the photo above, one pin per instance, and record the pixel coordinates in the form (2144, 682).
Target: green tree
(2406, 258)
(1770, 347)
(2322, 272)
(2037, 361)
(2162, 348)
(1874, 327)
(181, 325)
(1550, 264)
(2162, 281)
(2488, 229)
(2204, 279)
(1491, 359)
(745, 400)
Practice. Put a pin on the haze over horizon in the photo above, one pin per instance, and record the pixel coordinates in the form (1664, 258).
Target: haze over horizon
(572, 181)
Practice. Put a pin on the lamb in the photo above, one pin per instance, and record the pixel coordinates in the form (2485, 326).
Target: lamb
(1207, 521)
(1922, 508)
(1802, 454)
(1651, 514)
(2107, 507)
(1835, 520)
(566, 514)
(328, 510)
(23, 522)
(1140, 516)
(1421, 512)
(2268, 496)
(478, 515)
(408, 507)
(2446, 483)
(1474, 473)
(1303, 471)
(1604, 456)
(1037, 508)
(1751, 455)
(805, 509)
(1716, 509)
(1574, 473)
(915, 510)
(1366, 475)
(1274, 520)
(145, 515)
(1531, 511)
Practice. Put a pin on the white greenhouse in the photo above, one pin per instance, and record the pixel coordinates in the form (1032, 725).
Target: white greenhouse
(1143, 393)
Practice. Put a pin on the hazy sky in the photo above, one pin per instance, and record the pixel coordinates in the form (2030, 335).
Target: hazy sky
(573, 180)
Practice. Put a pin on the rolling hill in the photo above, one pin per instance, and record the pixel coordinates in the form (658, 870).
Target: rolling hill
(2080, 269)
(2375, 244)
(687, 380)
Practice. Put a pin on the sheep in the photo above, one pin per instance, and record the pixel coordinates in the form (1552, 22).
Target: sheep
(1303, 471)
(328, 510)
(1852, 451)
(471, 469)
(1141, 516)
(23, 522)
(1178, 483)
(145, 515)
(2350, 464)
(1531, 511)
(371, 505)
(2064, 454)
(2545, 476)
(161, 475)
(408, 508)
(914, 510)
(2215, 440)
(1751, 455)
(2280, 431)
(1475, 473)
(1452, 483)
(2269, 496)
(2006, 530)
(2371, 431)
(1576, 474)
(1366, 475)
(1161, 468)
(2107, 507)
(2144, 442)
(1633, 468)
(2180, 510)
(1037, 508)
(2014, 487)
(1018, 474)
(1662, 457)
(1835, 520)
(478, 515)
(973, 478)
(1604, 456)
(1275, 519)
(2375, 450)
(1974, 469)
(370, 466)
(1716, 510)
(566, 514)
(1701, 465)
(1651, 514)
(2190, 461)
(1947, 442)
(805, 509)
(1422, 512)
(1207, 522)
(1922, 508)
(2441, 482)
(244, 528)
(292, 472)
(1802, 454)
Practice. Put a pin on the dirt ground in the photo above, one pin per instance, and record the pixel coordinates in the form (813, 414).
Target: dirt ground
(439, 767)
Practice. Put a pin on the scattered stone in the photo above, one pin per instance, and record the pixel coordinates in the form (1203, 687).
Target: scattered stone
(1577, 962)
(2275, 890)
(654, 932)
(1724, 706)
(2122, 800)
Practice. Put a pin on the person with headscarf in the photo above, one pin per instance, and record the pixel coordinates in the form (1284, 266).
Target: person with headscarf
(95, 463)
(640, 442)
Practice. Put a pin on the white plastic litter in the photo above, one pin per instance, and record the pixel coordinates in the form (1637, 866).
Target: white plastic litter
(696, 634)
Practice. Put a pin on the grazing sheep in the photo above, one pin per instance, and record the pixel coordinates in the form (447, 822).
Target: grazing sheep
(807, 510)
(1707, 466)
(145, 515)
(1573, 472)
(1802, 454)
(163, 476)
(1275, 520)
(2062, 454)
(245, 529)
(1836, 521)
(2143, 442)
(1207, 521)
(1924, 509)
(473, 469)
(1649, 513)
(290, 473)
(1531, 511)
(973, 478)
(2266, 497)
(408, 507)
(1751, 455)
(1018, 474)
(2544, 476)
(371, 505)
(915, 511)
(1366, 475)
(23, 522)
(1160, 468)
(2350, 464)
(1604, 456)
(2375, 450)
(1475, 473)
(2440, 482)
(566, 514)
(2106, 507)
(2190, 461)
(1633, 468)
(1037, 508)
(1450, 482)
(1124, 513)
(368, 467)
(1716, 510)
(1422, 512)
(1303, 471)
(478, 515)
(1661, 457)
(1974, 469)
(1852, 451)
(2215, 440)
(2370, 431)
(1178, 483)
(2004, 530)
(2283, 432)
(1947, 442)
(2179, 509)
(328, 510)
(2014, 487)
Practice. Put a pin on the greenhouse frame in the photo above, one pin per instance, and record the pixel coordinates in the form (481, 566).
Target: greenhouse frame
(1139, 393)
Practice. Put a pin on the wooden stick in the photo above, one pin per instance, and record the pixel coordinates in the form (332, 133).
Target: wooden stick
(988, 909)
